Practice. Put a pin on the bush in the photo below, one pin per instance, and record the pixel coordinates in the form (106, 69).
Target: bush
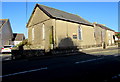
(23, 43)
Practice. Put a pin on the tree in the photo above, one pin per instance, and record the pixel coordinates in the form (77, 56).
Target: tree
(118, 35)
(23, 43)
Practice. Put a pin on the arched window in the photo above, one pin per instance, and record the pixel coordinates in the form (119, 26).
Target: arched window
(79, 33)
(33, 34)
(43, 31)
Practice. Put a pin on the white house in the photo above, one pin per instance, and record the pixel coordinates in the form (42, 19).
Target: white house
(17, 38)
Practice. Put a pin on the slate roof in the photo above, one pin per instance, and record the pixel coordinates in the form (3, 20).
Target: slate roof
(62, 15)
(2, 21)
(18, 37)
(104, 27)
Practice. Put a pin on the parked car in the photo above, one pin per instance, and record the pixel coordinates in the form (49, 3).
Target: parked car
(7, 49)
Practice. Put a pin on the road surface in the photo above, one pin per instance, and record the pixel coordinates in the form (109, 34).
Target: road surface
(76, 68)
(5, 57)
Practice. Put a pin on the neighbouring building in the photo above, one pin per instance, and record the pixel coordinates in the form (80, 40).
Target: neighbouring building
(6, 34)
(104, 35)
(17, 38)
(99, 34)
(50, 28)
(117, 36)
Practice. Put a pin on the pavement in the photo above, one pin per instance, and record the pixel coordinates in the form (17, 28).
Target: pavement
(100, 48)
(113, 50)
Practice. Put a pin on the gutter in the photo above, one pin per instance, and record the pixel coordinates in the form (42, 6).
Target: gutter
(72, 21)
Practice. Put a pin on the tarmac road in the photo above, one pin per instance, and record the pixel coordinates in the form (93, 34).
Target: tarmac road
(76, 68)
(5, 57)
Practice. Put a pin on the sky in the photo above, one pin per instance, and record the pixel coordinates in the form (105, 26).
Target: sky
(101, 12)
(60, 0)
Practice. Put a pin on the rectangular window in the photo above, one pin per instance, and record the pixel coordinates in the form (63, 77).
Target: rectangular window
(32, 33)
(74, 36)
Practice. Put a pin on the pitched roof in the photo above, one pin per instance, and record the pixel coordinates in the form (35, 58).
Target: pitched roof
(18, 37)
(104, 27)
(2, 22)
(117, 32)
(58, 14)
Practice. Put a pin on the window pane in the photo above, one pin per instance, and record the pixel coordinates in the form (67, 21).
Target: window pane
(74, 36)
(43, 30)
(32, 33)
(79, 33)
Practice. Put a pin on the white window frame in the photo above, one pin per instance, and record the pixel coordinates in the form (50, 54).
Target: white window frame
(43, 31)
(79, 33)
(33, 37)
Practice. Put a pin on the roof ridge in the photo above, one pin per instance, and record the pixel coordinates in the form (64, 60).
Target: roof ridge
(106, 27)
(3, 19)
(56, 9)
(18, 33)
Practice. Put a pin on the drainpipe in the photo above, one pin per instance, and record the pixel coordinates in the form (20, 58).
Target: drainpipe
(94, 26)
(105, 42)
(0, 40)
(67, 30)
